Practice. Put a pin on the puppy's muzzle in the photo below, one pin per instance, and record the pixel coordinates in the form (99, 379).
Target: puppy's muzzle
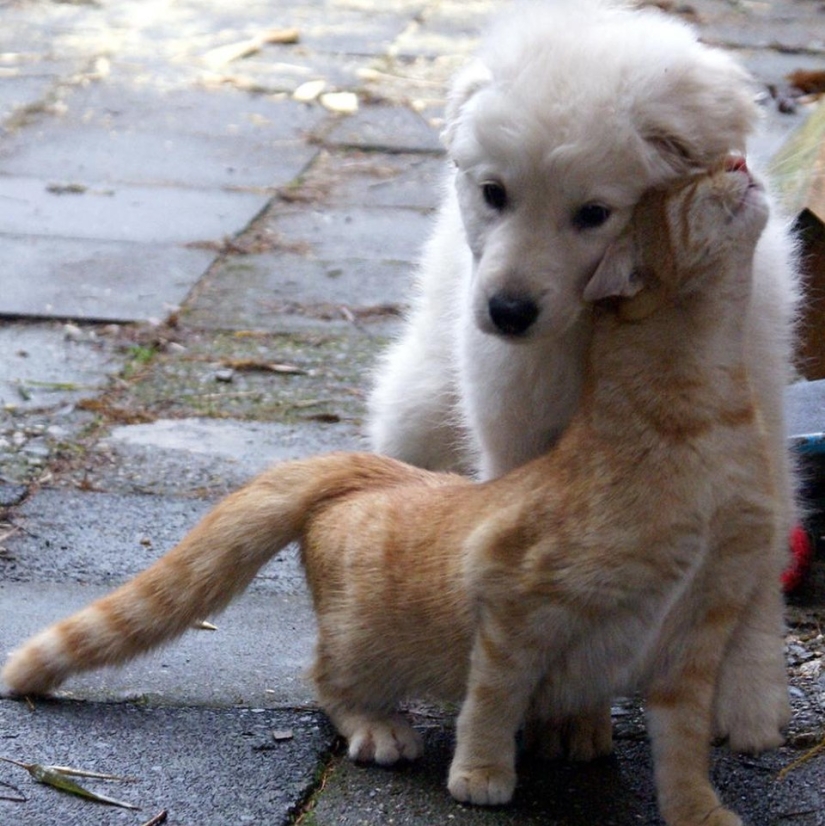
(512, 315)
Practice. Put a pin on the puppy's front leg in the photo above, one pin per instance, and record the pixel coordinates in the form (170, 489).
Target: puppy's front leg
(503, 675)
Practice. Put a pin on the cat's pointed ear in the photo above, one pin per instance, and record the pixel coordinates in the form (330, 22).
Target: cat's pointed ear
(616, 275)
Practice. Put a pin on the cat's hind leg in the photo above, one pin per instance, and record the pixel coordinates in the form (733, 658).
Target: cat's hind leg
(364, 715)
(375, 738)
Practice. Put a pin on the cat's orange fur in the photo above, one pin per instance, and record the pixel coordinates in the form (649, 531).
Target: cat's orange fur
(623, 559)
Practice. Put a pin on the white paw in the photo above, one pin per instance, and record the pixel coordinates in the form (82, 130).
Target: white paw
(385, 742)
(482, 786)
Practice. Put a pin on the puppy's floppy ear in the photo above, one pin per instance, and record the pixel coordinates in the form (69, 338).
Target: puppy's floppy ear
(616, 275)
(697, 113)
(468, 82)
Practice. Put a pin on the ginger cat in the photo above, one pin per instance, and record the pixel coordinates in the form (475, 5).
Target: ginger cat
(623, 559)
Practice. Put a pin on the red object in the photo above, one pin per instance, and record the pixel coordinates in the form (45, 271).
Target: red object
(802, 554)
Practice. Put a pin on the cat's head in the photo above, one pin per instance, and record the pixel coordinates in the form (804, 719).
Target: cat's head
(702, 225)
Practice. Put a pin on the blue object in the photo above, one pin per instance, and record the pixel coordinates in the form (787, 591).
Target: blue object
(805, 408)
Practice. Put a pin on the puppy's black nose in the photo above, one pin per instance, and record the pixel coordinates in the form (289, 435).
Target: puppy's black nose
(513, 315)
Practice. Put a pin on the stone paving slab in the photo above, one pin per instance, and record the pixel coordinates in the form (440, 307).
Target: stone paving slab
(277, 291)
(101, 280)
(357, 233)
(181, 455)
(159, 158)
(206, 767)
(53, 544)
(376, 180)
(386, 129)
(116, 133)
(258, 657)
(141, 214)
(610, 792)
(42, 366)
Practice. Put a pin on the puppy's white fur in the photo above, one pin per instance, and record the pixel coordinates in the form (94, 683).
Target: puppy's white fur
(570, 103)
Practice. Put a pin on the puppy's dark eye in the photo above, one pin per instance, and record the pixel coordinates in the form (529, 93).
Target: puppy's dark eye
(591, 216)
(495, 195)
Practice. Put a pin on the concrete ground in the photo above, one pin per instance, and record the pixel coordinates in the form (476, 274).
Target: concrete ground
(201, 260)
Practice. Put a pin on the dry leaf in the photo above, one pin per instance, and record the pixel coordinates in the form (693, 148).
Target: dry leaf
(59, 777)
(808, 82)
(249, 365)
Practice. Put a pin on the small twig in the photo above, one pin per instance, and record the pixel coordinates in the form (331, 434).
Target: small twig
(810, 754)
(21, 798)
(159, 818)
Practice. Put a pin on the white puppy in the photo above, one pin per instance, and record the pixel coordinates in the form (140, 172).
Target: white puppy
(572, 110)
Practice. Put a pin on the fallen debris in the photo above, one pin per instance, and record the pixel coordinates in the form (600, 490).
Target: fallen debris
(158, 819)
(252, 365)
(60, 778)
(204, 625)
(221, 55)
(17, 797)
(807, 81)
(819, 748)
(343, 103)
(309, 91)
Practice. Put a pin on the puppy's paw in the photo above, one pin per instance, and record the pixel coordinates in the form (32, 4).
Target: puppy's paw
(384, 742)
(482, 785)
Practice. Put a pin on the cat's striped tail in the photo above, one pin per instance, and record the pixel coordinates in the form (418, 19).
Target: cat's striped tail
(214, 563)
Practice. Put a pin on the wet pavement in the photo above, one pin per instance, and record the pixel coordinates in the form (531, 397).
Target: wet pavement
(202, 256)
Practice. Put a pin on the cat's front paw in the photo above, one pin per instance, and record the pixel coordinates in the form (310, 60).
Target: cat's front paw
(385, 742)
(482, 785)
